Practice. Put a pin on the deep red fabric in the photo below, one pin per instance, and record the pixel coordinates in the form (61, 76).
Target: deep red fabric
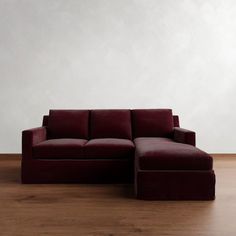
(164, 169)
(31, 137)
(184, 136)
(45, 120)
(68, 124)
(175, 185)
(152, 122)
(165, 154)
(77, 171)
(110, 124)
(109, 148)
(176, 121)
(59, 148)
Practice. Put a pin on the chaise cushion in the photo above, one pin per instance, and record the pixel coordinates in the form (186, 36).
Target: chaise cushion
(111, 124)
(165, 154)
(109, 148)
(59, 148)
(68, 124)
(152, 122)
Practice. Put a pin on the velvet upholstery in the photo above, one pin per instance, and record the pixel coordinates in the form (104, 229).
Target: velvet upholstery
(109, 148)
(184, 136)
(45, 120)
(176, 120)
(30, 138)
(110, 124)
(76, 171)
(166, 170)
(152, 122)
(68, 124)
(82, 146)
(165, 154)
(175, 185)
(59, 148)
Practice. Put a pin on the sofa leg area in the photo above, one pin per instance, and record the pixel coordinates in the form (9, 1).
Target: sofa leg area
(175, 185)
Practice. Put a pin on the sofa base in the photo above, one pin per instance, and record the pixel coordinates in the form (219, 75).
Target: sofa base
(76, 171)
(175, 185)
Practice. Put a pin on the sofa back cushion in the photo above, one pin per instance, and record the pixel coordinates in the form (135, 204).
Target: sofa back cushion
(68, 124)
(110, 124)
(152, 122)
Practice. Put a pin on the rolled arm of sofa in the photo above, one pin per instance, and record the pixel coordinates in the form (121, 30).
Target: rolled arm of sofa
(31, 137)
(184, 136)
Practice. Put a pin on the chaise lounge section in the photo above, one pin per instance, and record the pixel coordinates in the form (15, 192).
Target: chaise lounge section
(168, 166)
(166, 170)
(144, 146)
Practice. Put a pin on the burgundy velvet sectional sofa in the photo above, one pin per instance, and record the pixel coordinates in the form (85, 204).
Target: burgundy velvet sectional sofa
(142, 146)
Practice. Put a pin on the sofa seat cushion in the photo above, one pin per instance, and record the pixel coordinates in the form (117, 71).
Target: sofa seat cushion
(63, 148)
(109, 148)
(165, 154)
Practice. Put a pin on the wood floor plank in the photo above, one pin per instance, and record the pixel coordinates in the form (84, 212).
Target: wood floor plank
(111, 210)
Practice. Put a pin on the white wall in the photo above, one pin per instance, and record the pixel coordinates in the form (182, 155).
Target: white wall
(119, 54)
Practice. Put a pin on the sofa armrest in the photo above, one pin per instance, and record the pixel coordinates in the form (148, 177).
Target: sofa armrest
(184, 136)
(31, 137)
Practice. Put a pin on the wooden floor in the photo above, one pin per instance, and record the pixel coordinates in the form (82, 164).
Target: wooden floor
(112, 209)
